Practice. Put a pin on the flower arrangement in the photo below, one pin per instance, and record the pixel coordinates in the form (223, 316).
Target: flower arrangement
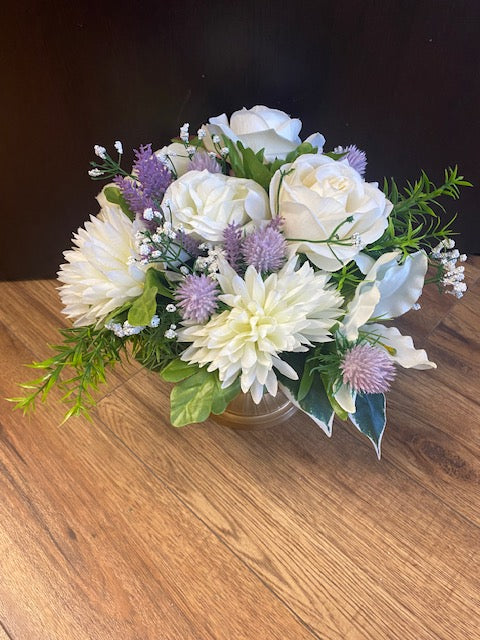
(243, 260)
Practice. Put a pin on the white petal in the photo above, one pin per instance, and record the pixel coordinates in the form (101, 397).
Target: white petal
(405, 353)
(400, 285)
(364, 262)
(316, 140)
(346, 398)
(285, 369)
(360, 309)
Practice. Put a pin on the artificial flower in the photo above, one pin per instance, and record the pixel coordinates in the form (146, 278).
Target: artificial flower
(263, 128)
(175, 158)
(101, 272)
(330, 212)
(390, 289)
(288, 311)
(234, 263)
(204, 204)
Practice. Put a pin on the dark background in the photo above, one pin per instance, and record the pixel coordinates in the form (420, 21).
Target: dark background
(398, 78)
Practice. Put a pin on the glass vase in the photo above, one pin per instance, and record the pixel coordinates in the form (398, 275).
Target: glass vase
(243, 413)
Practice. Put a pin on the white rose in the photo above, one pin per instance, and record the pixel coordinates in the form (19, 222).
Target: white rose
(325, 202)
(263, 128)
(205, 203)
(174, 157)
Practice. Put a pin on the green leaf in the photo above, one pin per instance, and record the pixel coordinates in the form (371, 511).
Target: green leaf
(222, 397)
(143, 308)
(306, 381)
(315, 402)
(116, 312)
(341, 413)
(370, 418)
(178, 370)
(303, 148)
(333, 155)
(115, 196)
(234, 158)
(191, 400)
(254, 168)
(156, 278)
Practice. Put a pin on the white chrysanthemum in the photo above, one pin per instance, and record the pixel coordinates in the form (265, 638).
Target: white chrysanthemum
(100, 274)
(288, 311)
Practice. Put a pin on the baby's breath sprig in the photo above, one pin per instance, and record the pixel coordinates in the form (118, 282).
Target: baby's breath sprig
(109, 168)
(166, 244)
(443, 258)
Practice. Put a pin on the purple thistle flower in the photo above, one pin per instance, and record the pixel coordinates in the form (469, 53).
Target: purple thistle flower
(202, 160)
(197, 298)
(357, 158)
(188, 243)
(367, 369)
(232, 239)
(266, 248)
(152, 178)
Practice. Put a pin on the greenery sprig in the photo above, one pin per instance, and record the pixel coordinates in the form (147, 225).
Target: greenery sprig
(416, 219)
(78, 367)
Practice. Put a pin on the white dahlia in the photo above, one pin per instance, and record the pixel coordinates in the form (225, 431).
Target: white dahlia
(288, 311)
(100, 274)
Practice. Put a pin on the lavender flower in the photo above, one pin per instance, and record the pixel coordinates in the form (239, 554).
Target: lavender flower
(232, 238)
(197, 298)
(188, 243)
(203, 160)
(357, 158)
(367, 369)
(266, 248)
(152, 178)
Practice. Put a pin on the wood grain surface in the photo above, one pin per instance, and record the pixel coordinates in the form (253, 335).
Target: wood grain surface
(127, 528)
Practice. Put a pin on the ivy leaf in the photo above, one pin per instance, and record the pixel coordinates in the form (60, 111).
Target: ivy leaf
(369, 417)
(222, 397)
(306, 381)
(115, 196)
(177, 370)
(191, 400)
(315, 403)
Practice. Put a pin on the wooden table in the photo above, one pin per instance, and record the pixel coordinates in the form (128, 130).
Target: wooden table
(128, 528)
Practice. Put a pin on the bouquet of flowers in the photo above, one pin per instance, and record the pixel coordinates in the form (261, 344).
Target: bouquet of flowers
(243, 260)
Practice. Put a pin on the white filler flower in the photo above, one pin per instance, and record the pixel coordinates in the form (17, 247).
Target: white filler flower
(100, 273)
(288, 311)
